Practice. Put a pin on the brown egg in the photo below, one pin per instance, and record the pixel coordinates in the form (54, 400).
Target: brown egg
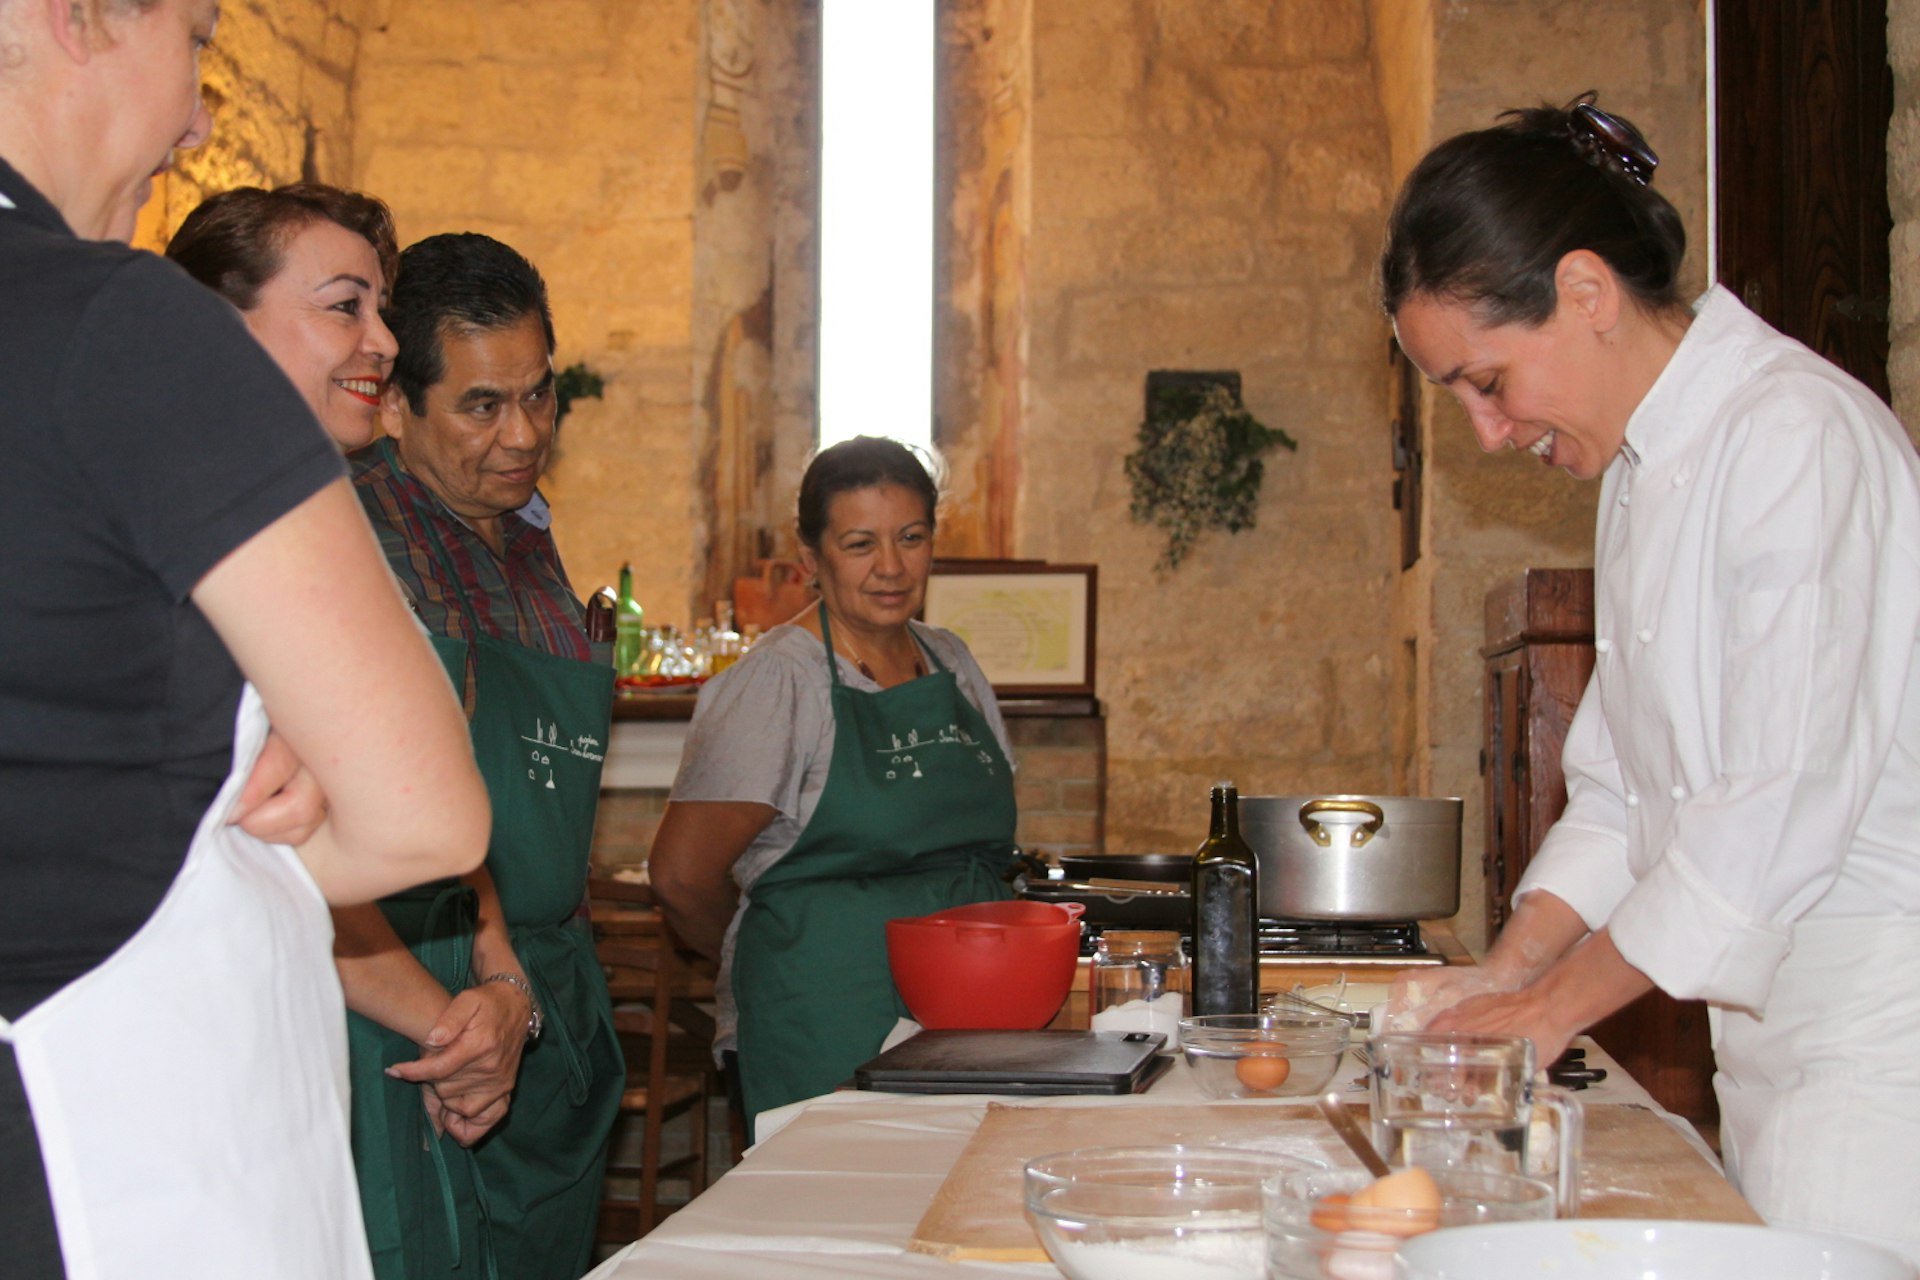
(1404, 1203)
(1265, 1068)
(1330, 1212)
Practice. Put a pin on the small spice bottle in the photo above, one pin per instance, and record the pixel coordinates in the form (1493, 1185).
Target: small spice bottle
(1139, 982)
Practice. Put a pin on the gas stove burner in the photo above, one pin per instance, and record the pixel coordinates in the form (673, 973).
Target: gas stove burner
(1340, 937)
(1390, 940)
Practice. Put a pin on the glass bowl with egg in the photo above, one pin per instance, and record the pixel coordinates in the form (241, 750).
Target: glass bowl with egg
(1282, 1053)
(1346, 1224)
(1167, 1212)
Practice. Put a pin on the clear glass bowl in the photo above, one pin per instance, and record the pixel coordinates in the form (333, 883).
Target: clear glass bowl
(1282, 1053)
(1313, 1235)
(1154, 1213)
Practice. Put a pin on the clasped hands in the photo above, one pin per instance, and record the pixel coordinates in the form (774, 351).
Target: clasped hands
(470, 1060)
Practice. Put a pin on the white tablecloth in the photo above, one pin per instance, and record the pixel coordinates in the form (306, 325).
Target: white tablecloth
(836, 1185)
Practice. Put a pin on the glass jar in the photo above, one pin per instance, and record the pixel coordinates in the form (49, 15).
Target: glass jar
(725, 646)
(1139, 982)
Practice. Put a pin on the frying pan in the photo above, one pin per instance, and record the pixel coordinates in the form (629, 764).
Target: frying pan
(1160, 867)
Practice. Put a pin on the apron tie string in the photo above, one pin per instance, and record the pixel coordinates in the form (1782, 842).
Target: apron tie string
(442, 949)
(486, 1225)
(444, 1180)
(558, 1035)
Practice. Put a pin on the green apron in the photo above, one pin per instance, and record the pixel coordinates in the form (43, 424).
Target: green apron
(417, 1192)
(522, 1203)
(917, 814)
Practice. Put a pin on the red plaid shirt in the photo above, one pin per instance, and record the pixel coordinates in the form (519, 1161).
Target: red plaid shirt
(522, 596)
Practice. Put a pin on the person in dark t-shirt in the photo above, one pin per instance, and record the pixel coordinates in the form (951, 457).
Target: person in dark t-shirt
(178, 524)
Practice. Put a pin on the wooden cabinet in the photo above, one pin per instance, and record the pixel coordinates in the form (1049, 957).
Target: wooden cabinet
(1539, 656)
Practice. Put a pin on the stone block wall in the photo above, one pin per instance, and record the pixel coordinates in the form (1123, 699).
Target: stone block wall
(1060, 783)
(278, 79)
(567, 129)
(1208, 186)
(981, 317)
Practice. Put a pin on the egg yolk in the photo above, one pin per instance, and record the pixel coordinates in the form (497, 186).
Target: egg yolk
(1265, 1068)
(1330, 1213)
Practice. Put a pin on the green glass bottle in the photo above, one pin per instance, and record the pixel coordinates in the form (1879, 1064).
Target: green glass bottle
(629, 628)
(1226, 912)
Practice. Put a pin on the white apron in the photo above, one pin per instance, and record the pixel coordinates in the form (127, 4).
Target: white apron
(1820, 1100)
(190, 1093)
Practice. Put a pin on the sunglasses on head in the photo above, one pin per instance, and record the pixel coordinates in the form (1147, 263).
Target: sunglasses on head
(1618, 140)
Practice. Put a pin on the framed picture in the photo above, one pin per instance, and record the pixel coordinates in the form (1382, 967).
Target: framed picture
(1029, 624)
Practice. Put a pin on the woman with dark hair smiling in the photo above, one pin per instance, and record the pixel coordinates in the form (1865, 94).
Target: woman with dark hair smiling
(1743, 773)
(308, 266)
(787, 788)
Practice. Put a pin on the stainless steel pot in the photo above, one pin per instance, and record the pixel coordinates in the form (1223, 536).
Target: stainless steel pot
(1352, 857)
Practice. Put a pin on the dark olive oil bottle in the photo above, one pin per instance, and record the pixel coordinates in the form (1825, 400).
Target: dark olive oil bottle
(1226, 909)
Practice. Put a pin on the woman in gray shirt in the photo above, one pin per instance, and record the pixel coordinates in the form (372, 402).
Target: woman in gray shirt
(851, 769)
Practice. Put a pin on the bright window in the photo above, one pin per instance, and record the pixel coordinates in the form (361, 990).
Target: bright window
(876, 219)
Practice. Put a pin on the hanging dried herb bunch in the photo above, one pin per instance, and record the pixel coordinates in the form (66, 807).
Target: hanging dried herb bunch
(1198, 466)
(575, 382)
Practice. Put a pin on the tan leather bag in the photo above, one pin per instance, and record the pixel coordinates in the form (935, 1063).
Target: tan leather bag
(772, 597)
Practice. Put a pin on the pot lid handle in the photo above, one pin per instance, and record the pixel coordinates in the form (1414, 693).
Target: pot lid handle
(1364, 814)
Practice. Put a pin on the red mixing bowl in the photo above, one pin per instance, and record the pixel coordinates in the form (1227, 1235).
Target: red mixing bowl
(990, 965)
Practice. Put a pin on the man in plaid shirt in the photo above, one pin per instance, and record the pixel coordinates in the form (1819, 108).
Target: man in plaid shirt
(451, 491)
(471, 416)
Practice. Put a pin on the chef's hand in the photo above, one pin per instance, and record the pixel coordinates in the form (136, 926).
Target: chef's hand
(281, 803)
(1526, 1012)
(1418, 996)
(471, 1058)
(1576, 991)
(1542, 931)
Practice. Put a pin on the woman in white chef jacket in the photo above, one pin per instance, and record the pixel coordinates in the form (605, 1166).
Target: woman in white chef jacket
(172, 1038)
(1743, 815)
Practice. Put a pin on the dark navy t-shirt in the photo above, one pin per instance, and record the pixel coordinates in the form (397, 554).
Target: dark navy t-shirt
(144, 436)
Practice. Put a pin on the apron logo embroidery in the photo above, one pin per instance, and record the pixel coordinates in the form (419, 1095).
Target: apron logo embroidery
(951, 735)
(546, 739)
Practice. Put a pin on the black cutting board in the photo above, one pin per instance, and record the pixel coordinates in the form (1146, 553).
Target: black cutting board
(1018, 1062)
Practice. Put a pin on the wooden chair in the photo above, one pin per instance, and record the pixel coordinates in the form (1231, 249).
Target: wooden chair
(668, 1041)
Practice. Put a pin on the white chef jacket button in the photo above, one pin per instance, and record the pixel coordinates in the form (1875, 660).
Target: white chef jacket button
(1679, 479)
(1603, 645)
(1645, 634)
(1678, 792)
(1626, 499)
(1633, 799)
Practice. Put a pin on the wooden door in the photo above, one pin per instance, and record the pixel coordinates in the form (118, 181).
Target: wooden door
(1503, 783)
(1803, 95)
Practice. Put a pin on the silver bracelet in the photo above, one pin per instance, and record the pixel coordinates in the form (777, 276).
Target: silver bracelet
(536, 1017)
